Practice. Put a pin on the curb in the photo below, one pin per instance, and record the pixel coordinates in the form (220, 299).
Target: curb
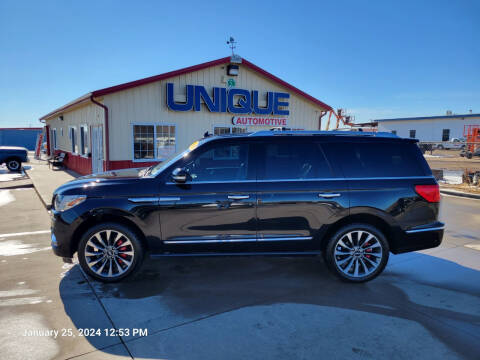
(460, 193)
(47, 206)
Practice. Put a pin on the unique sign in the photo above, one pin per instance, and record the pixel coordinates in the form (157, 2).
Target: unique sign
(234, 100)
(259, 121)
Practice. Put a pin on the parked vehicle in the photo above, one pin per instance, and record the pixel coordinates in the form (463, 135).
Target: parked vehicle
(353, 197)
(13, 157)
(453, 143)
(469, 154)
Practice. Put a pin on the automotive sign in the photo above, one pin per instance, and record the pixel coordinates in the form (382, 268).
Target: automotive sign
(259, 121)
(233, 100)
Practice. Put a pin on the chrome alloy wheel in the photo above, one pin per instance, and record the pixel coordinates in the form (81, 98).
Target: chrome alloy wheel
(109, 253)
(358, 253)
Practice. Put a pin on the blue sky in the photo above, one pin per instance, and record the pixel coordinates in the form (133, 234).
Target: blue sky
(376, 58)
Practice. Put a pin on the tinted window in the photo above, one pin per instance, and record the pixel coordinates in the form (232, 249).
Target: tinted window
(293, 160)
(221, 162)
(372, 159)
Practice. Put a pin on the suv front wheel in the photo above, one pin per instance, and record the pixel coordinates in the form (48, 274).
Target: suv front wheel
(110, 252)
(357, 253)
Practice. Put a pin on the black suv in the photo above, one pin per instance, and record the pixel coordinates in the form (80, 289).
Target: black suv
(352, 197)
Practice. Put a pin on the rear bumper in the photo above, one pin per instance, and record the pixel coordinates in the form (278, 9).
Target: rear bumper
(420, 238)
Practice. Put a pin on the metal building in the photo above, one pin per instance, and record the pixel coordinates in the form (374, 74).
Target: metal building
(142, 122)
(24, 137)
(429, 128)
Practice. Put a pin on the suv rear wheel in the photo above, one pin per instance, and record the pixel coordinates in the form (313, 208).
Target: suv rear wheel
(110, 252)
(357, 253)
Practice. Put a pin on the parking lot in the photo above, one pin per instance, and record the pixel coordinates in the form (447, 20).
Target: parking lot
(425, 305)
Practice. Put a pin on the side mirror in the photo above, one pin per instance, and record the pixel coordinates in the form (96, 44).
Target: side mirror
(179, 175)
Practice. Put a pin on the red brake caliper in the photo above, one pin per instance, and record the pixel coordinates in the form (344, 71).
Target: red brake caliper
(367, 250)
(123, 248)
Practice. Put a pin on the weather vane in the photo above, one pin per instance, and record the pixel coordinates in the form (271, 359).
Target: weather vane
(232, 44)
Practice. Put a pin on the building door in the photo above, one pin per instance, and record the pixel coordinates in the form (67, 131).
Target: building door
(97, 149)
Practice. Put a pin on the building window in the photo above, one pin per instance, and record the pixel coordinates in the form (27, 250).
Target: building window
(446, 134)
(221, 130)
(73, 139)
(165, 141)
(413, 133)
(153, 141)
(394, 132)
(54, 138)
(84, 140)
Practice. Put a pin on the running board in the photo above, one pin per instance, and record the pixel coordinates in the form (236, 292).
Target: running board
(266, 253)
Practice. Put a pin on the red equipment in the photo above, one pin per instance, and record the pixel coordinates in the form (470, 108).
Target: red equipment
(38, 145)
(348, 120)
(471, 133)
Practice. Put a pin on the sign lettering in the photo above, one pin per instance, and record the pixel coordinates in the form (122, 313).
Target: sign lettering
(233, 100)
(259, 121)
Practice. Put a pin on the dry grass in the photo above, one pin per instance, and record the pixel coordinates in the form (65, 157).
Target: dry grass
(462, 187)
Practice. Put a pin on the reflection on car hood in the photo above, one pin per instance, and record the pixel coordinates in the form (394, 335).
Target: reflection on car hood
(91, 181)
(114, 174)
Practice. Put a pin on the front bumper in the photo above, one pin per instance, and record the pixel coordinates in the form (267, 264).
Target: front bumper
(61, 235)
(422, 237)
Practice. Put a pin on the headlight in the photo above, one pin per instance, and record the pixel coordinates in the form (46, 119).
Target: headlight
(65, 202)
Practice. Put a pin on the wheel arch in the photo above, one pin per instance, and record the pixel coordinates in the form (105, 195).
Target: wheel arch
(365, 218)
(13, 157)
(95, 219)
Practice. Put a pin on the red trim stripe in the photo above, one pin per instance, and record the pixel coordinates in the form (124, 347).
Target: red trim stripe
(167, 75)
(67, 106)
(285, 84)
(148, 80)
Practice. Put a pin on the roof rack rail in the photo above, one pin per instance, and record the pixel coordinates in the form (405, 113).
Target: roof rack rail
(321, 133)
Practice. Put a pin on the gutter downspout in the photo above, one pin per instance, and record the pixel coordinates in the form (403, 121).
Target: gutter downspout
(107, 134)
(322, 114)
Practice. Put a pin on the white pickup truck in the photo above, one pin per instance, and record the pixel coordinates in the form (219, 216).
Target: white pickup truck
(453, 143)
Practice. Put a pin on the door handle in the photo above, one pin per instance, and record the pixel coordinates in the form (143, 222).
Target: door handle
(328, 195)
(238, 197)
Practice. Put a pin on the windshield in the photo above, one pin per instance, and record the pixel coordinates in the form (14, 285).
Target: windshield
(157, 169)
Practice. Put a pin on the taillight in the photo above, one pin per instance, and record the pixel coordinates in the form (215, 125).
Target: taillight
(431, 193)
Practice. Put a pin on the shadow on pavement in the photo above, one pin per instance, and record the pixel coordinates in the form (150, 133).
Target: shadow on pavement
(439, 295)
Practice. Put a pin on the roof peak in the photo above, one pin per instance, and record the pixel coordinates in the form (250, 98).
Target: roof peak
(170, 74)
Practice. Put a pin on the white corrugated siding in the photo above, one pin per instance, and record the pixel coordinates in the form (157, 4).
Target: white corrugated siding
(89, 114)
(428, 130)
(147, 104)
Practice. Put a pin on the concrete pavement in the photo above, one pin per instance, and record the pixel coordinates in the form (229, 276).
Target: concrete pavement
(425, 305)
(46, 180)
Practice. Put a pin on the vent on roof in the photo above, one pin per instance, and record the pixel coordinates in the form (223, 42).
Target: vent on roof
(449, 112)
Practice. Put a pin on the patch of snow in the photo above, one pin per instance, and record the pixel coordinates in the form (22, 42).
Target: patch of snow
(17, 292)
(17, 247)
(6, 197)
